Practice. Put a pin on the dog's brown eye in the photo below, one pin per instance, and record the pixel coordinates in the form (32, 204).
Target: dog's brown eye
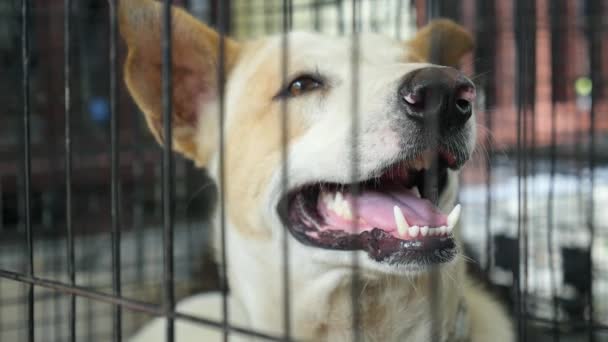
(303, 85)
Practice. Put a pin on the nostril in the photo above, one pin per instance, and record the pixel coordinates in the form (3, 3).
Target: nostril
(411, 99)
(463, 106)
(415, 100)
(466, 93)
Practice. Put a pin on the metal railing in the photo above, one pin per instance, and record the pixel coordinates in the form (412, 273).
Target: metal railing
(528, 152)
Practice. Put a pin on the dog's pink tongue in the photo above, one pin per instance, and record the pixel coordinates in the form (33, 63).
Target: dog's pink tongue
(375, 209)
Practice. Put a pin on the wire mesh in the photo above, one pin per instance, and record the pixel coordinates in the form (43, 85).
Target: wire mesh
(540, 70)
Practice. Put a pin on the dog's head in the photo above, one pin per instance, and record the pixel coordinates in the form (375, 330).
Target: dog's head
(360, 144)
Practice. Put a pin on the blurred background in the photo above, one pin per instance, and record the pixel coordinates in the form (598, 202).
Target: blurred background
(534, 194)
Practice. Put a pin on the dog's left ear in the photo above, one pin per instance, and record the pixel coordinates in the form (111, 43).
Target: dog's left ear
(441, 41)
(195, 65)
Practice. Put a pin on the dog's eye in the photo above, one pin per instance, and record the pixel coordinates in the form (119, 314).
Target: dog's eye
(302, 85)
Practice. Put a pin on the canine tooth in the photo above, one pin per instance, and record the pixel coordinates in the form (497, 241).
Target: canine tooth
(346, 212)
(337, 207)
(337, 210)
(449, 229)
(339, 198)
(416, 191)
(402, 225)
(424, 230)
(454, 216)
(442, 230)
(413, 231)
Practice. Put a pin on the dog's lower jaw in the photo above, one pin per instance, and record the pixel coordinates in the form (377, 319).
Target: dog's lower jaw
(391, 307)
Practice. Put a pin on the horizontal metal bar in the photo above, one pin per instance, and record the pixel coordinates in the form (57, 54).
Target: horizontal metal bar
(130, 304)
(596, 327)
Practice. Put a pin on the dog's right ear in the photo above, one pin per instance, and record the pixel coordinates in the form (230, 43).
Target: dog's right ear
(195, 64)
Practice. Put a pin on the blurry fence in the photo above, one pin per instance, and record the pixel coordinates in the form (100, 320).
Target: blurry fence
(538, 182)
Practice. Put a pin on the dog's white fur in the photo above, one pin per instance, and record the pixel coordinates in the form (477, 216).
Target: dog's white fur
(394, 300)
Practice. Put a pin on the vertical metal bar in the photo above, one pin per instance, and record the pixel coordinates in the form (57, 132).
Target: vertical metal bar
(525, 57)
(528, 79)
(374, 17)
(595, 32)
(27, 170)
(268, 16)
(340, 9)
(287, 14)
(115, 171)
(488, 85)
(356, 287)
(168, 172)
(555, 9)
(67, 79)
(249, 24)
(431, 186)
(222, 26)
(432, 9)
(317, 14)
(399, 19)
(485, 34)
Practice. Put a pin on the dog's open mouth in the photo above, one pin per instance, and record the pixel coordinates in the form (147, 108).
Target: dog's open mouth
(388, 216)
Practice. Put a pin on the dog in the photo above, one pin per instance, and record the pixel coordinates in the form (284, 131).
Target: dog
(378, 190)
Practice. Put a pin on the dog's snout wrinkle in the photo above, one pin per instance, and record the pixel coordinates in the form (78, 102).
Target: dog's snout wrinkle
(438, 96)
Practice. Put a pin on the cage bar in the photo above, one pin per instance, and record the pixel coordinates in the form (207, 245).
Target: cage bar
(27, 160)
(47, 319)
(67, 79)
(355, 61)
(168, 193)
(223, 25)
(594, 33)
(286, 27)
(555, 8)
(115, 170)
(431, 186)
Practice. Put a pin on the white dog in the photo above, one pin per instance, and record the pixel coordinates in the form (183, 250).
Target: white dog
(412, 117)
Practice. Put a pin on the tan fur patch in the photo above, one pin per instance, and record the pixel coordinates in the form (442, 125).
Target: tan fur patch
(254, 144)
(442, 39)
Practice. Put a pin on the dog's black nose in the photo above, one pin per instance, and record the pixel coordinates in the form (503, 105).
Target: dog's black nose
(437, 95)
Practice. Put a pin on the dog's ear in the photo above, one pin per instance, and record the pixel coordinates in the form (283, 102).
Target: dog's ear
(195, 64)
(441, 41)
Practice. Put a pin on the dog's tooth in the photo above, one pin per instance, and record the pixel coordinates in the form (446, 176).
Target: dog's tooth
(339, 198)
(402, 225)
(424, 231)
(329, 201)
(346, 212)
(413, 231)
(337, 208)
(449, 229)
(454, 216)
(416, 191)
(337, 205)
(442, 230)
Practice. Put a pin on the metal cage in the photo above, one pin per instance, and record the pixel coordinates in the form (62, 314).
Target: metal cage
(91, 209)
